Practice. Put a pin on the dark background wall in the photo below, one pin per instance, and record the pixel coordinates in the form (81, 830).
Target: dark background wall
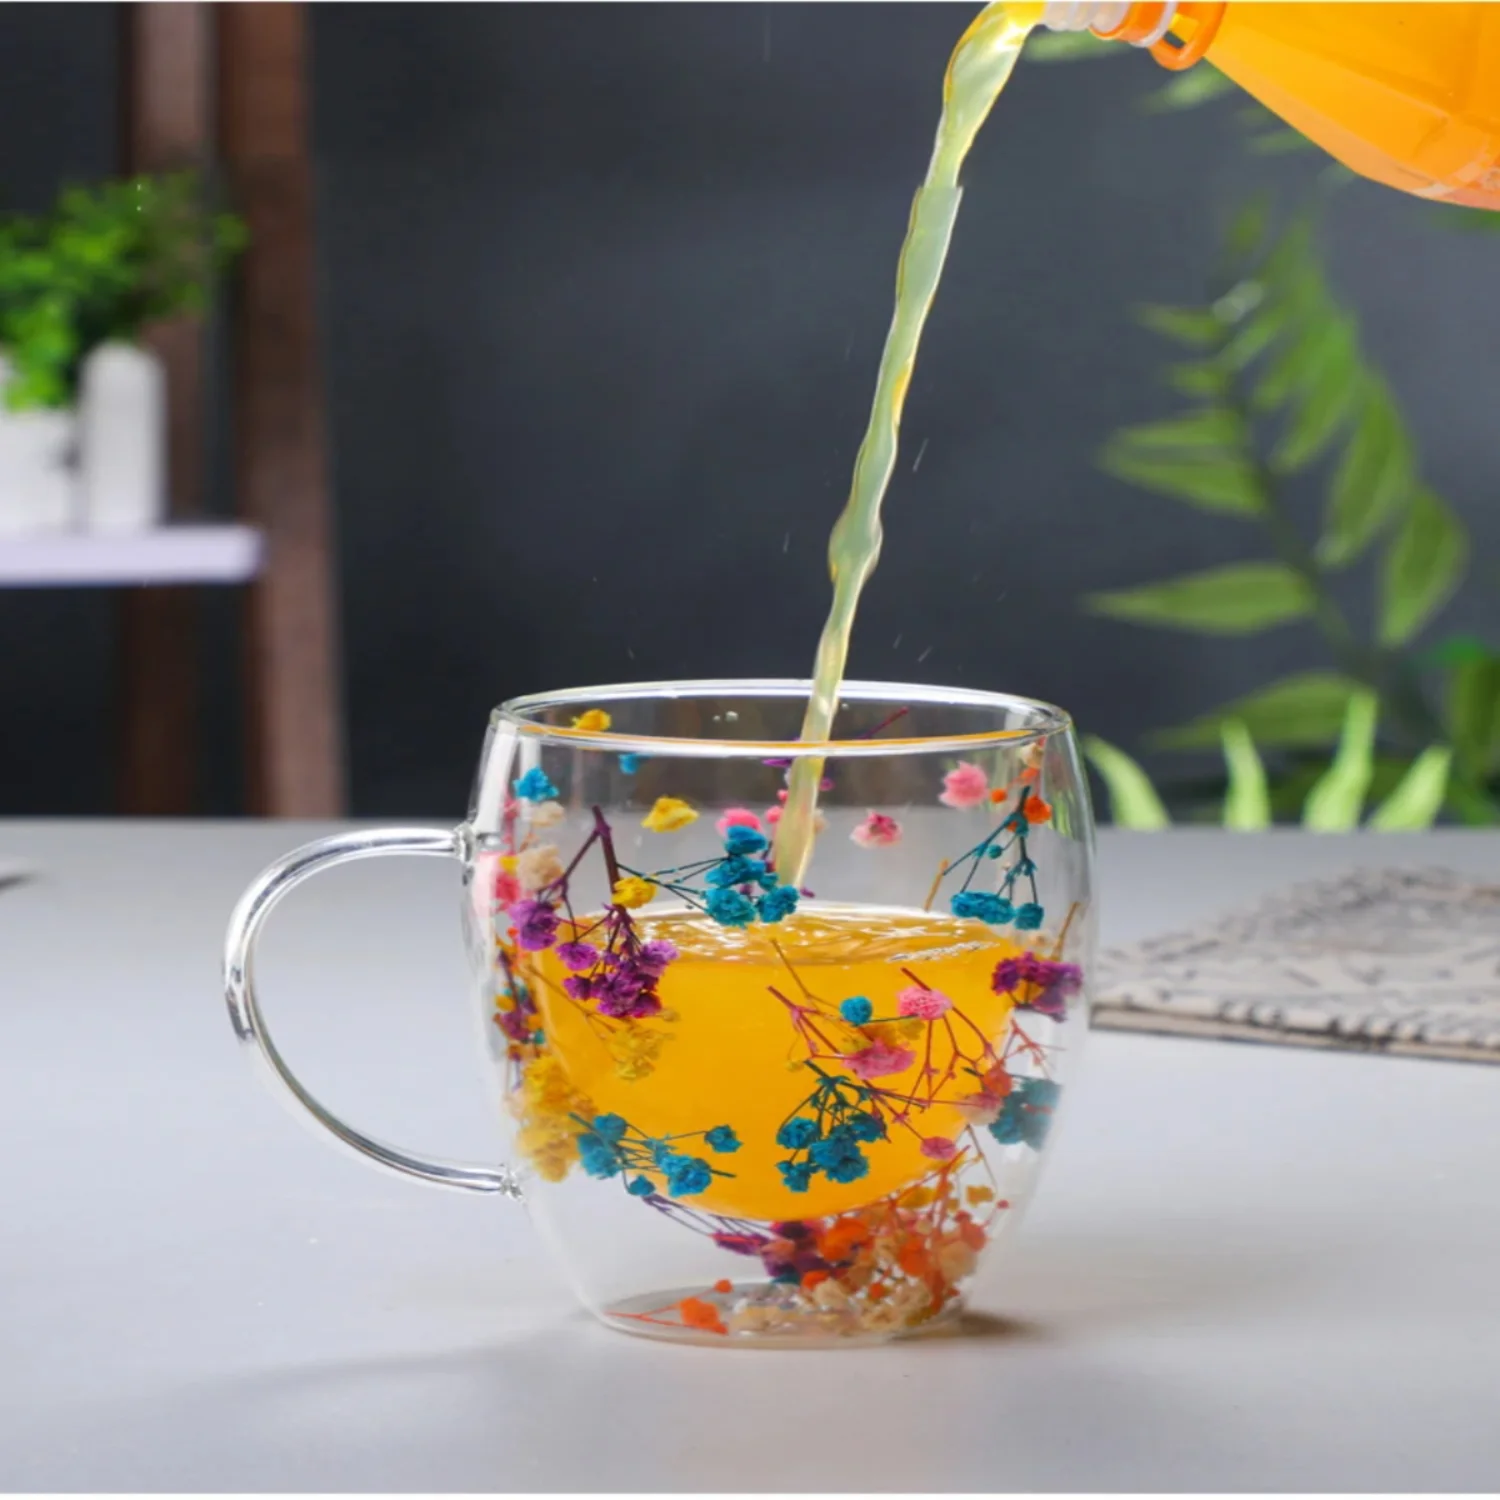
(603, 292)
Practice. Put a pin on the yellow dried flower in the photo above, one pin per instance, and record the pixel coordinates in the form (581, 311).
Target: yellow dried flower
(636, 1051)
(594, 721)
(546, 1104)
(668, 814)
(632, 890)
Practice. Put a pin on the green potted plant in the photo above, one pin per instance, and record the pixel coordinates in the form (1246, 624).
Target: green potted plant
(82, 411)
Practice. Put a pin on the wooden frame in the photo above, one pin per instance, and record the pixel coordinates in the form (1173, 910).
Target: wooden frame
(237, 73)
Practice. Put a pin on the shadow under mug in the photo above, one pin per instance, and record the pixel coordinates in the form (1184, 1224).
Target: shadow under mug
(747, 1108)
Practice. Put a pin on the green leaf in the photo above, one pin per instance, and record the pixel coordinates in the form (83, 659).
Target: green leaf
(1247, 231)
(1328, 383)
(1467, 220)
(1255, 336)
(1070, 46)
(1224, 483)
(1472, 805)
(1474, 714)
(1204, 427)
(1282, 142)
(1247, 802)
(1236, 600)
(1424, 564)
(1375, 477)
(1338, 796)
(1133, 802)
(1455, 651)
(1204, 378)
(1418, 798)
(1189, 89)
(1301, 712)
(1191, 326)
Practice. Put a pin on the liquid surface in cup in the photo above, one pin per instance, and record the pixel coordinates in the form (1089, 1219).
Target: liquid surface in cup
(748, 1008)
(979, 69)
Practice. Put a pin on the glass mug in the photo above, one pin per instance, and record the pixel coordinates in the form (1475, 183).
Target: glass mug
(744, 1110)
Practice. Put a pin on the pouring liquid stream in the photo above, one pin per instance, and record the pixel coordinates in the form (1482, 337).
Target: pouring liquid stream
(978, 70)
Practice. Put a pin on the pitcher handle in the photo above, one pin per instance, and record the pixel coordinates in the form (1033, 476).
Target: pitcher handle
(249, 1025)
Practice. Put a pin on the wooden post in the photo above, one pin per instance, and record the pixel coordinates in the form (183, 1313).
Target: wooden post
(165, 50)
(294, 712)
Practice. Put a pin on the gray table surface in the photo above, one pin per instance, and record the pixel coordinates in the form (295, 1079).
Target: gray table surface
(1248, 1267)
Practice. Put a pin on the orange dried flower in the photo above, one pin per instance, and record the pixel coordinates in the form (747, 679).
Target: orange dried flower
(842, 1238)
(697, 1313)
(1036, 810)
(914, 1259)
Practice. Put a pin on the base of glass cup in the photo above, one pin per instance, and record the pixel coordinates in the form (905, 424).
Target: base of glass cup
(759, 1315)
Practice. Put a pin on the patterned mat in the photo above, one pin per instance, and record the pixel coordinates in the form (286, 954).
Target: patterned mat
(1401, 961)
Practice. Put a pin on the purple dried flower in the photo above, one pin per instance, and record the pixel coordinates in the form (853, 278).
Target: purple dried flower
(579, 986)
(536, 924)
(516, 1024)
(577, 956)
(1053, 982)
(654, 957)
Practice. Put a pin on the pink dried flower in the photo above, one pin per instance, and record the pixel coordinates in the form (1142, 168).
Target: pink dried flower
(980, 1109)
(964, 786)
(878, 831)
(924, 1004)
(737, 817)
(507, 888)
(939, 1148)
(880, 1060)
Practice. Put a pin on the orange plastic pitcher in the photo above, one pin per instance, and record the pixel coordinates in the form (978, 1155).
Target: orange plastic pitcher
(1407, 94)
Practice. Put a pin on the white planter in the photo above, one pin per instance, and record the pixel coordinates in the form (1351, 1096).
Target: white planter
(122, 439)
(38, 481)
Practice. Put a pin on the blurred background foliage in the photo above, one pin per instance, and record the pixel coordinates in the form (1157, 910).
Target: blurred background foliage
(1398, 725)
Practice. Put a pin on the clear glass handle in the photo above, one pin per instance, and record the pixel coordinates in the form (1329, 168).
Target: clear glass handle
(249, 1025)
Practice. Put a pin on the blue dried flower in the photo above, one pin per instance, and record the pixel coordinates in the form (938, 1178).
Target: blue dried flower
(736, 870)
(866, 1127)
(630, 764)
(611, 1127)
(730, 909)
(640, 1187)
(838, 1157)
(984, 905)
(798, 1132)
(1026, 1116)
(722, 1139)
(778, 903)
(741, 839)
(534, 786)
(1028, 917)
(598, 1156)
(795, 1175)
(856, 1010)
(687, 1175)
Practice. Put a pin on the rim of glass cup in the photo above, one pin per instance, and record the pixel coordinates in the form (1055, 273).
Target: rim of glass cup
(517, 714)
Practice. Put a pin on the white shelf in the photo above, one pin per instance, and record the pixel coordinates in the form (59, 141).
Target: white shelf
(219, 553)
